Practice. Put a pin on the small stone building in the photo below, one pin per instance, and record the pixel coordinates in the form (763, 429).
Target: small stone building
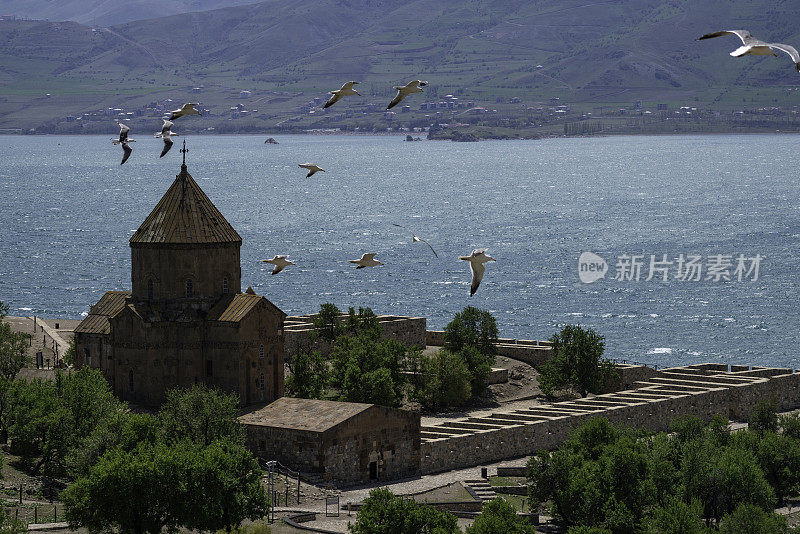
(185, 321)
(346, 443)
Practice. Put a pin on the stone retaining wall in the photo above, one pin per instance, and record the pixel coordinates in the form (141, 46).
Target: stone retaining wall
(529, 351)
(531, 354)
(512, 471)
(628, 376)
(511, 490)
(651, 406)
(497, 376)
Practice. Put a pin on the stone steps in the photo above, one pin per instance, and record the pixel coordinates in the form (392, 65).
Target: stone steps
(482, 489)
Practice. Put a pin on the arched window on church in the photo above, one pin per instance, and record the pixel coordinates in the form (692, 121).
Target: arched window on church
(149, 290)
(86, 357)
(261, 351)
(225, 286)
(130, 380)
(189, 288)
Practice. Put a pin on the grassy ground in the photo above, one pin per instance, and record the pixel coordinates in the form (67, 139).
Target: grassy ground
(451, 493)
(507, 481)
(519, 502)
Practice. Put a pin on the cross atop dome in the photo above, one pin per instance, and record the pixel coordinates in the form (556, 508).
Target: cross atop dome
(184, 150)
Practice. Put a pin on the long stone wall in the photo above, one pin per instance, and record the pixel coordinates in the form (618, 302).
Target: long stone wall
(529, 351)
(701, 390)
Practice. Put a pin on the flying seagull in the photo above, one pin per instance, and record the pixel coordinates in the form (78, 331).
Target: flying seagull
(346, 90)
(312, 168)
(476, 261)
(404, 91)
(415, 238)
(123, 140)
(126, 150)
(123, 133)
(366, 260)
(166, 135)
(755, 47)
(279, 262)
(186, 109)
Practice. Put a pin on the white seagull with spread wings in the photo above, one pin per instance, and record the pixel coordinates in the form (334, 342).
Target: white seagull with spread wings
(346, 90)
(404, 91)
(476, 261)
(279, 261)
(312, 168)
(165, 134)
(755, 47)
(366, 260)
(186, 109)
(123, 140)
(415, 238)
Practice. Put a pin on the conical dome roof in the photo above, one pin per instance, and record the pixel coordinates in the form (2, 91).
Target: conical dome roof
(185, 215)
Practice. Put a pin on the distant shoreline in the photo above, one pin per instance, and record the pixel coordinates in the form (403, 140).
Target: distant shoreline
(423, 136)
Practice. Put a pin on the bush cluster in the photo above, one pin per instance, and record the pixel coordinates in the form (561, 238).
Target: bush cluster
(362, 367)
(699, 476)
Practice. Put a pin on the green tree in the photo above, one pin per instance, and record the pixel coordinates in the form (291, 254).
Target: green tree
(445, 380)
(664, 462)
(385, 513)
(48, 418)
(677, 517)
(13, 357)
(365, 321)
(472, 328)
(69, 356)
(478, 365)
(9, 525)
(687, 428)
(327, 322)
(790, 425)
(309, 374)
(750, 519)
(201, 415)
(723, 478)
(168, 485)
(122, 430)
(132, 491)
(368, 369)
(577, 362)
(13, 348)
(778, 456)
(499, 517)
(224, 488)
(764, 417)
(88, 397)
(597, 478)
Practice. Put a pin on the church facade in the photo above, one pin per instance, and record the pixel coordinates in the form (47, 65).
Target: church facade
(185, 320)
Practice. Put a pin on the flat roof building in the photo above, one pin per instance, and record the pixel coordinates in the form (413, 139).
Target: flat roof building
(344, 442)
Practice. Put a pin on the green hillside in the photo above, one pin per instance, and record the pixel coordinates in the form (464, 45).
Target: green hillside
(588, 54)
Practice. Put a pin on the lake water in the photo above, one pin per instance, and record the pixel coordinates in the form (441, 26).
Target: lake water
(69, 208)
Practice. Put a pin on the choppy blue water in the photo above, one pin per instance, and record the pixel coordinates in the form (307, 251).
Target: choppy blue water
(68, 209)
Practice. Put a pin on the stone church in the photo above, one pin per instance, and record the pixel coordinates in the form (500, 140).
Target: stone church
(185, 320)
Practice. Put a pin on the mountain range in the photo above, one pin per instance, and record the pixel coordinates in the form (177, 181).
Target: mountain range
(108, 12)
(582, 51)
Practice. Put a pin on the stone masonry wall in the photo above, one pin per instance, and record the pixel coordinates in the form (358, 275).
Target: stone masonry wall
(529, 351)
(386, 436)
(655, 414)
